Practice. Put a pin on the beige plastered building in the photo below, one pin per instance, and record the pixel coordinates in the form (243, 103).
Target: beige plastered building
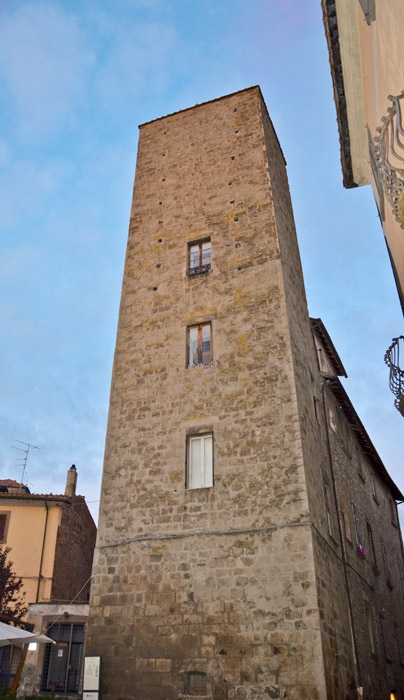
(51, 540)
(366, 50)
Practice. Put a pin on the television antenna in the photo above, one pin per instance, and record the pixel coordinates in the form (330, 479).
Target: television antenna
(22, 461)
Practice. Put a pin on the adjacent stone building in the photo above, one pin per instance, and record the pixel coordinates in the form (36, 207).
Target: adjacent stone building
(222, 569)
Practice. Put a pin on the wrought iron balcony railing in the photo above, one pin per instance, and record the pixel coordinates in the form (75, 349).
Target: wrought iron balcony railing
(392, 360)
(389, 153)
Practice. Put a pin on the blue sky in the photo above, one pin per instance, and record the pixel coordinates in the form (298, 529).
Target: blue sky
(76, 79)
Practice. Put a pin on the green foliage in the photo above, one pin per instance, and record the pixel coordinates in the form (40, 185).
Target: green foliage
(12, 604)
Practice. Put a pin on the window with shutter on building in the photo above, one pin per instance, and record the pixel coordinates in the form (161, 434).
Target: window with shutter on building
(4, 518)
(200, 461)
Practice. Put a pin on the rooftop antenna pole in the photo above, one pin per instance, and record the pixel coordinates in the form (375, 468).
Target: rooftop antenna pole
(24, 459)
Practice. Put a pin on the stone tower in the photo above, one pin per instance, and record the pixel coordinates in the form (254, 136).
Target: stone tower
(213, 574)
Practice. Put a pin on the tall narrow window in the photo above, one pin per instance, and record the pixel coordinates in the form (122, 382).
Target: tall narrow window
(372, 553)
(199, 257)
(369, 623)
(386, 639)
(401, 568)
(386, 564)
(4, 519)
(400, 646)
(328, 510)
(345, 521)
(374, 487)
(200, 461)
(199, 345)
(393, 511)
(358, 538)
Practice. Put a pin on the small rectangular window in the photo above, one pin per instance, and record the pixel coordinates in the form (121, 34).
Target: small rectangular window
(196, 683)
(199, 257)
(199, 345)
(200, 461)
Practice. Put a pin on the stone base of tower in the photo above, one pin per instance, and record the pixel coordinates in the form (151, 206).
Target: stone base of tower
(234, 613)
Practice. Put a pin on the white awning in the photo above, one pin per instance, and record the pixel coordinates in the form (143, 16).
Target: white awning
(16, 635)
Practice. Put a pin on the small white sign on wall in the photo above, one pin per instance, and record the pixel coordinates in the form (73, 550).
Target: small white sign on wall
(91, 678)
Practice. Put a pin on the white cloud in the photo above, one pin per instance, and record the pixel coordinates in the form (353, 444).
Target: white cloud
(44, 69)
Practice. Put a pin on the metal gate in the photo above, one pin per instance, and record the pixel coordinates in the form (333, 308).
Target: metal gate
(62, 661)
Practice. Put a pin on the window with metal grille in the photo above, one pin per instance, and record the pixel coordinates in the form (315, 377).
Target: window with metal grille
(199, 257)
(196, 683)
(62, 661)
(199, 342)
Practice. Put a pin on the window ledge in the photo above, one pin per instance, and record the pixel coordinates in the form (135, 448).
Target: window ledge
(193, 272)
(193, 366)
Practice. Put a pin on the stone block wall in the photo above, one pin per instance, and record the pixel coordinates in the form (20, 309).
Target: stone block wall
(376, 587)
(74, 552)
(241, 581)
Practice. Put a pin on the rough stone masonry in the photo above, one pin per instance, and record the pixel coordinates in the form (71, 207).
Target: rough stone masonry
(229, 590)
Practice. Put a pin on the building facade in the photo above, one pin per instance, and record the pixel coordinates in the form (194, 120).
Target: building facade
(216, 572)
(366, 53)
(52, 539)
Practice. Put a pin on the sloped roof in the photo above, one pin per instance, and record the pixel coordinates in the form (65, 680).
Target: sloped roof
(363, 438)
(333, 356)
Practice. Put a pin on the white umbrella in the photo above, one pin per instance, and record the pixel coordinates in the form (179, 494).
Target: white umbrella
(15, 635)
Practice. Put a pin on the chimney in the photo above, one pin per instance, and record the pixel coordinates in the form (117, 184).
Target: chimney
(71, 481)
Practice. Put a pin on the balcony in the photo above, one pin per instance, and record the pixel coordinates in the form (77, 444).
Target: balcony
(396, 381)
(389, 154)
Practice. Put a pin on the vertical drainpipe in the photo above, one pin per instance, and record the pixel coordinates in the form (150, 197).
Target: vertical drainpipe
(344, 563)
(42, 553)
